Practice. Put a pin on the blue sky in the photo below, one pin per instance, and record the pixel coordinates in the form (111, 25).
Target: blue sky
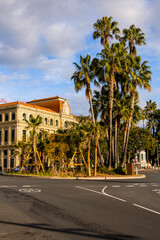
(40, 40)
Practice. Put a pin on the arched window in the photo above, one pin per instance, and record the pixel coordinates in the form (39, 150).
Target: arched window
(12, 163)
(45, 121)
(0, 117)
(13, 116)
(6, 117)
(51, 122)
(65, 125)
(24, 116)
(30, 117)
(56, 122)
(24, 134)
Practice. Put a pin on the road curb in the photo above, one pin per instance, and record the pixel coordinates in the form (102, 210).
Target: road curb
(80, 178)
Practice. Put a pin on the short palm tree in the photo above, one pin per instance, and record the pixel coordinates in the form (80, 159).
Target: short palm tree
(21, 149)
(34, 123)
(88, 131)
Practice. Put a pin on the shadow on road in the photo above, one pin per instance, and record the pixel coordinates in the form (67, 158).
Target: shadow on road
(72, 231)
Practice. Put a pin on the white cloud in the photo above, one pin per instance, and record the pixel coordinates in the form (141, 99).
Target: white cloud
(13, 76)
(63, 40)
(42, 38)
(55, 70)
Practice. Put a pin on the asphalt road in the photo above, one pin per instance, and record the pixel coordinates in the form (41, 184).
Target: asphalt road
(33, 208)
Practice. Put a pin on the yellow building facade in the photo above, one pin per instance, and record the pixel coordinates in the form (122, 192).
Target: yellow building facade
(55, 113)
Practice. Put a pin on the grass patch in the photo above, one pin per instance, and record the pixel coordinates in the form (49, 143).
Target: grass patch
(101, 172)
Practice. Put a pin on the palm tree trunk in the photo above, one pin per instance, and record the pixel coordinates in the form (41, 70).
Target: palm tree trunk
(89, 164)
(78, 157)
(153, 131)
(95, 161)
(124, 135)
(113, 148)
(128, 130)
(118, 131)
(35, 168)
(129, 156)
(21, 161)
(110, 118)
(94, 124)
(115, 144)
(110, 138)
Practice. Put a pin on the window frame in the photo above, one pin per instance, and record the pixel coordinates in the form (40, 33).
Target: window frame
(6, 114)
(6, 136)
(12, 161)
(5, 165)
(45, 121)
(24, 135)
(24, 116)
(12, 135)
(51, 122)
(13, 114)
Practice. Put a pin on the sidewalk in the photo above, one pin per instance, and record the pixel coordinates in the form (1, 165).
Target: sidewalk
(81, 178)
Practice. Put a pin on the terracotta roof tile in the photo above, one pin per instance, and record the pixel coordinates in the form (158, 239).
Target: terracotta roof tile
(44, 99)
(27, 105)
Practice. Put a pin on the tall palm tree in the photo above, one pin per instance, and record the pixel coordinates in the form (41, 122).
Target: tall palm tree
(143, 116)
(150, 110)
(111, 63)
(139, 74)
(34, 123)
(119, 113)
(134, 36)
(101, 105)
(150, 107)
(83, 76)
(105, 28)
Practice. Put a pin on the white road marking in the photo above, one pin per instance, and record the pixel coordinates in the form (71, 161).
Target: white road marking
(89, 190)
(130, 186)
(115, 186)
(150, 210)
(30, 186)
(120, 199)
(156, 190)
(4, 186)
(102, 193)
(155, 185)
(29, 190)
